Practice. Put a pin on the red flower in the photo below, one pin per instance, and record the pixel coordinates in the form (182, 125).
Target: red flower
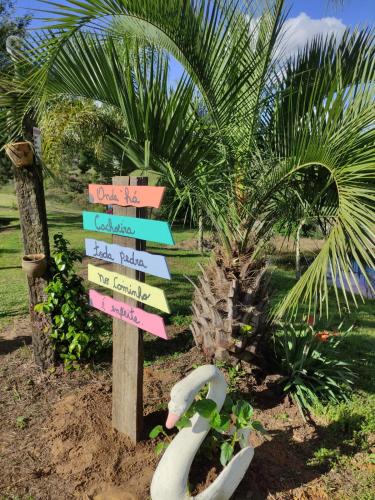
(322, 336)
(325, 334)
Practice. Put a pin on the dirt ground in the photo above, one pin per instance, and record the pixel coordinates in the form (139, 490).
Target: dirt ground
(56, 439)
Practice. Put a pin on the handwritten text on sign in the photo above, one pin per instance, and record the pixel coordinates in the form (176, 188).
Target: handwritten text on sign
(141, 261)
(141, 292)
(130, 227)
(135, 196)
(133, 315)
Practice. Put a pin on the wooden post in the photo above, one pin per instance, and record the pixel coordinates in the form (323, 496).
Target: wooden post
(33, 221)
(127, 389)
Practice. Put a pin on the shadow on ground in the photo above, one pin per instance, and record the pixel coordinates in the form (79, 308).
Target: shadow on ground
(10, 345)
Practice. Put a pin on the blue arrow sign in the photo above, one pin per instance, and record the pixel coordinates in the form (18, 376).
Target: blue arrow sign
(130, 227)
(141, 261)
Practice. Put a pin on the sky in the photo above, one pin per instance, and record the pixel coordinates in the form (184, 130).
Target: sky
(306, 19)
(351, 13)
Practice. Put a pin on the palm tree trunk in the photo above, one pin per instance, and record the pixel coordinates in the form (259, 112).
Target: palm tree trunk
(229, 307)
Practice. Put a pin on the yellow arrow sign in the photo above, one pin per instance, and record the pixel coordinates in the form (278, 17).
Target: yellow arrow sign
(147, 294)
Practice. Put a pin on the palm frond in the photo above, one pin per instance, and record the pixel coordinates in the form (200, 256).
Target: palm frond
(328, 122)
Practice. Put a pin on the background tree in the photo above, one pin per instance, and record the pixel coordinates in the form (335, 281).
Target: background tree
(267, 126)
(29, 187)
(75, 142)
(10, 24)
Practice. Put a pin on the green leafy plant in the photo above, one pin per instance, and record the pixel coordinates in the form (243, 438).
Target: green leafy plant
(312, 368)
(229, 427)
(75, 330)
(16, 395)
(21, 421)
(234, 374)
(324, 457)
(180, 320)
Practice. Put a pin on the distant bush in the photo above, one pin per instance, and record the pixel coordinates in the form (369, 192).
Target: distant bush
(66, 197)
(312, 368)
(75, 329)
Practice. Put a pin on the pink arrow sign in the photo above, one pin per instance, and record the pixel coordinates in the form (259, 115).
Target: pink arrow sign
(135, 196)
(137, 317)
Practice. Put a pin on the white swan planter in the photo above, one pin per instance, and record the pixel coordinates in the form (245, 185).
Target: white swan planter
(170, 481)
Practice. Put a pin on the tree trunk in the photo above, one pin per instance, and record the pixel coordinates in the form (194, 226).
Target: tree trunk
(298, 249)
(33, 221)
(229, 308)
(200, 234)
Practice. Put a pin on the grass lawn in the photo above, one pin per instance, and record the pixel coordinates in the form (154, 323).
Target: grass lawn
(353, 422)
(13, 289)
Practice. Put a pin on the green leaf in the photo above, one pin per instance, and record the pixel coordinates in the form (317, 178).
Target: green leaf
(244, 412)
(183, 422)
(65, 309)
(156, 431)
(226, 453)
(219, 422)
(39, 307)
(215, 420)
(205, 407)
(257, 426)
(160, 447)
(228, 404)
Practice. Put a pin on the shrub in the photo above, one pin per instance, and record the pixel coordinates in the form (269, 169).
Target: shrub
(75, 330)
(311, 365)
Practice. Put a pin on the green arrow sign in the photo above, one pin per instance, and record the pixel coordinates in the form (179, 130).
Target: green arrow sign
(130, 227)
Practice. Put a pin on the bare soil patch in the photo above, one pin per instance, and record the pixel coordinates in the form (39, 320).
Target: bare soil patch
(57, 442)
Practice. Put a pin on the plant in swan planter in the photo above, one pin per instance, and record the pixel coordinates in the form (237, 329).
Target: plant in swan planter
(194, 419)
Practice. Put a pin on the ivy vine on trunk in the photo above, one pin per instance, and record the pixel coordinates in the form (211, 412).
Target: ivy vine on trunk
(75, 330)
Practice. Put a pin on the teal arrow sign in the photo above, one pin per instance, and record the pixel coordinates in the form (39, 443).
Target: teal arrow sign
(130, 227)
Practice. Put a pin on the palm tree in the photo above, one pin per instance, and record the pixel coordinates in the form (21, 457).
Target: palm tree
(268, 125)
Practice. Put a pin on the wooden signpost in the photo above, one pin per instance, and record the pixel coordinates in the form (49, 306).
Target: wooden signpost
(130, 229)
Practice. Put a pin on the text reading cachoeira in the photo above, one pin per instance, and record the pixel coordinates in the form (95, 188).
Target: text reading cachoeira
(130, 227)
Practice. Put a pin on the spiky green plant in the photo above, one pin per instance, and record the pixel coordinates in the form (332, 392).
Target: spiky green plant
(312, 368)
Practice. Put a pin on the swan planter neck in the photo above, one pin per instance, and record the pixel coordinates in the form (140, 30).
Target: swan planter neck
(170, 481)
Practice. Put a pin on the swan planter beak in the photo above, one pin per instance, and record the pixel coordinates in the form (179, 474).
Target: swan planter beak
(170, 481)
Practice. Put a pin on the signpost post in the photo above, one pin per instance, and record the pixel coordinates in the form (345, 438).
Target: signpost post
(130, 229)
(127, 375)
